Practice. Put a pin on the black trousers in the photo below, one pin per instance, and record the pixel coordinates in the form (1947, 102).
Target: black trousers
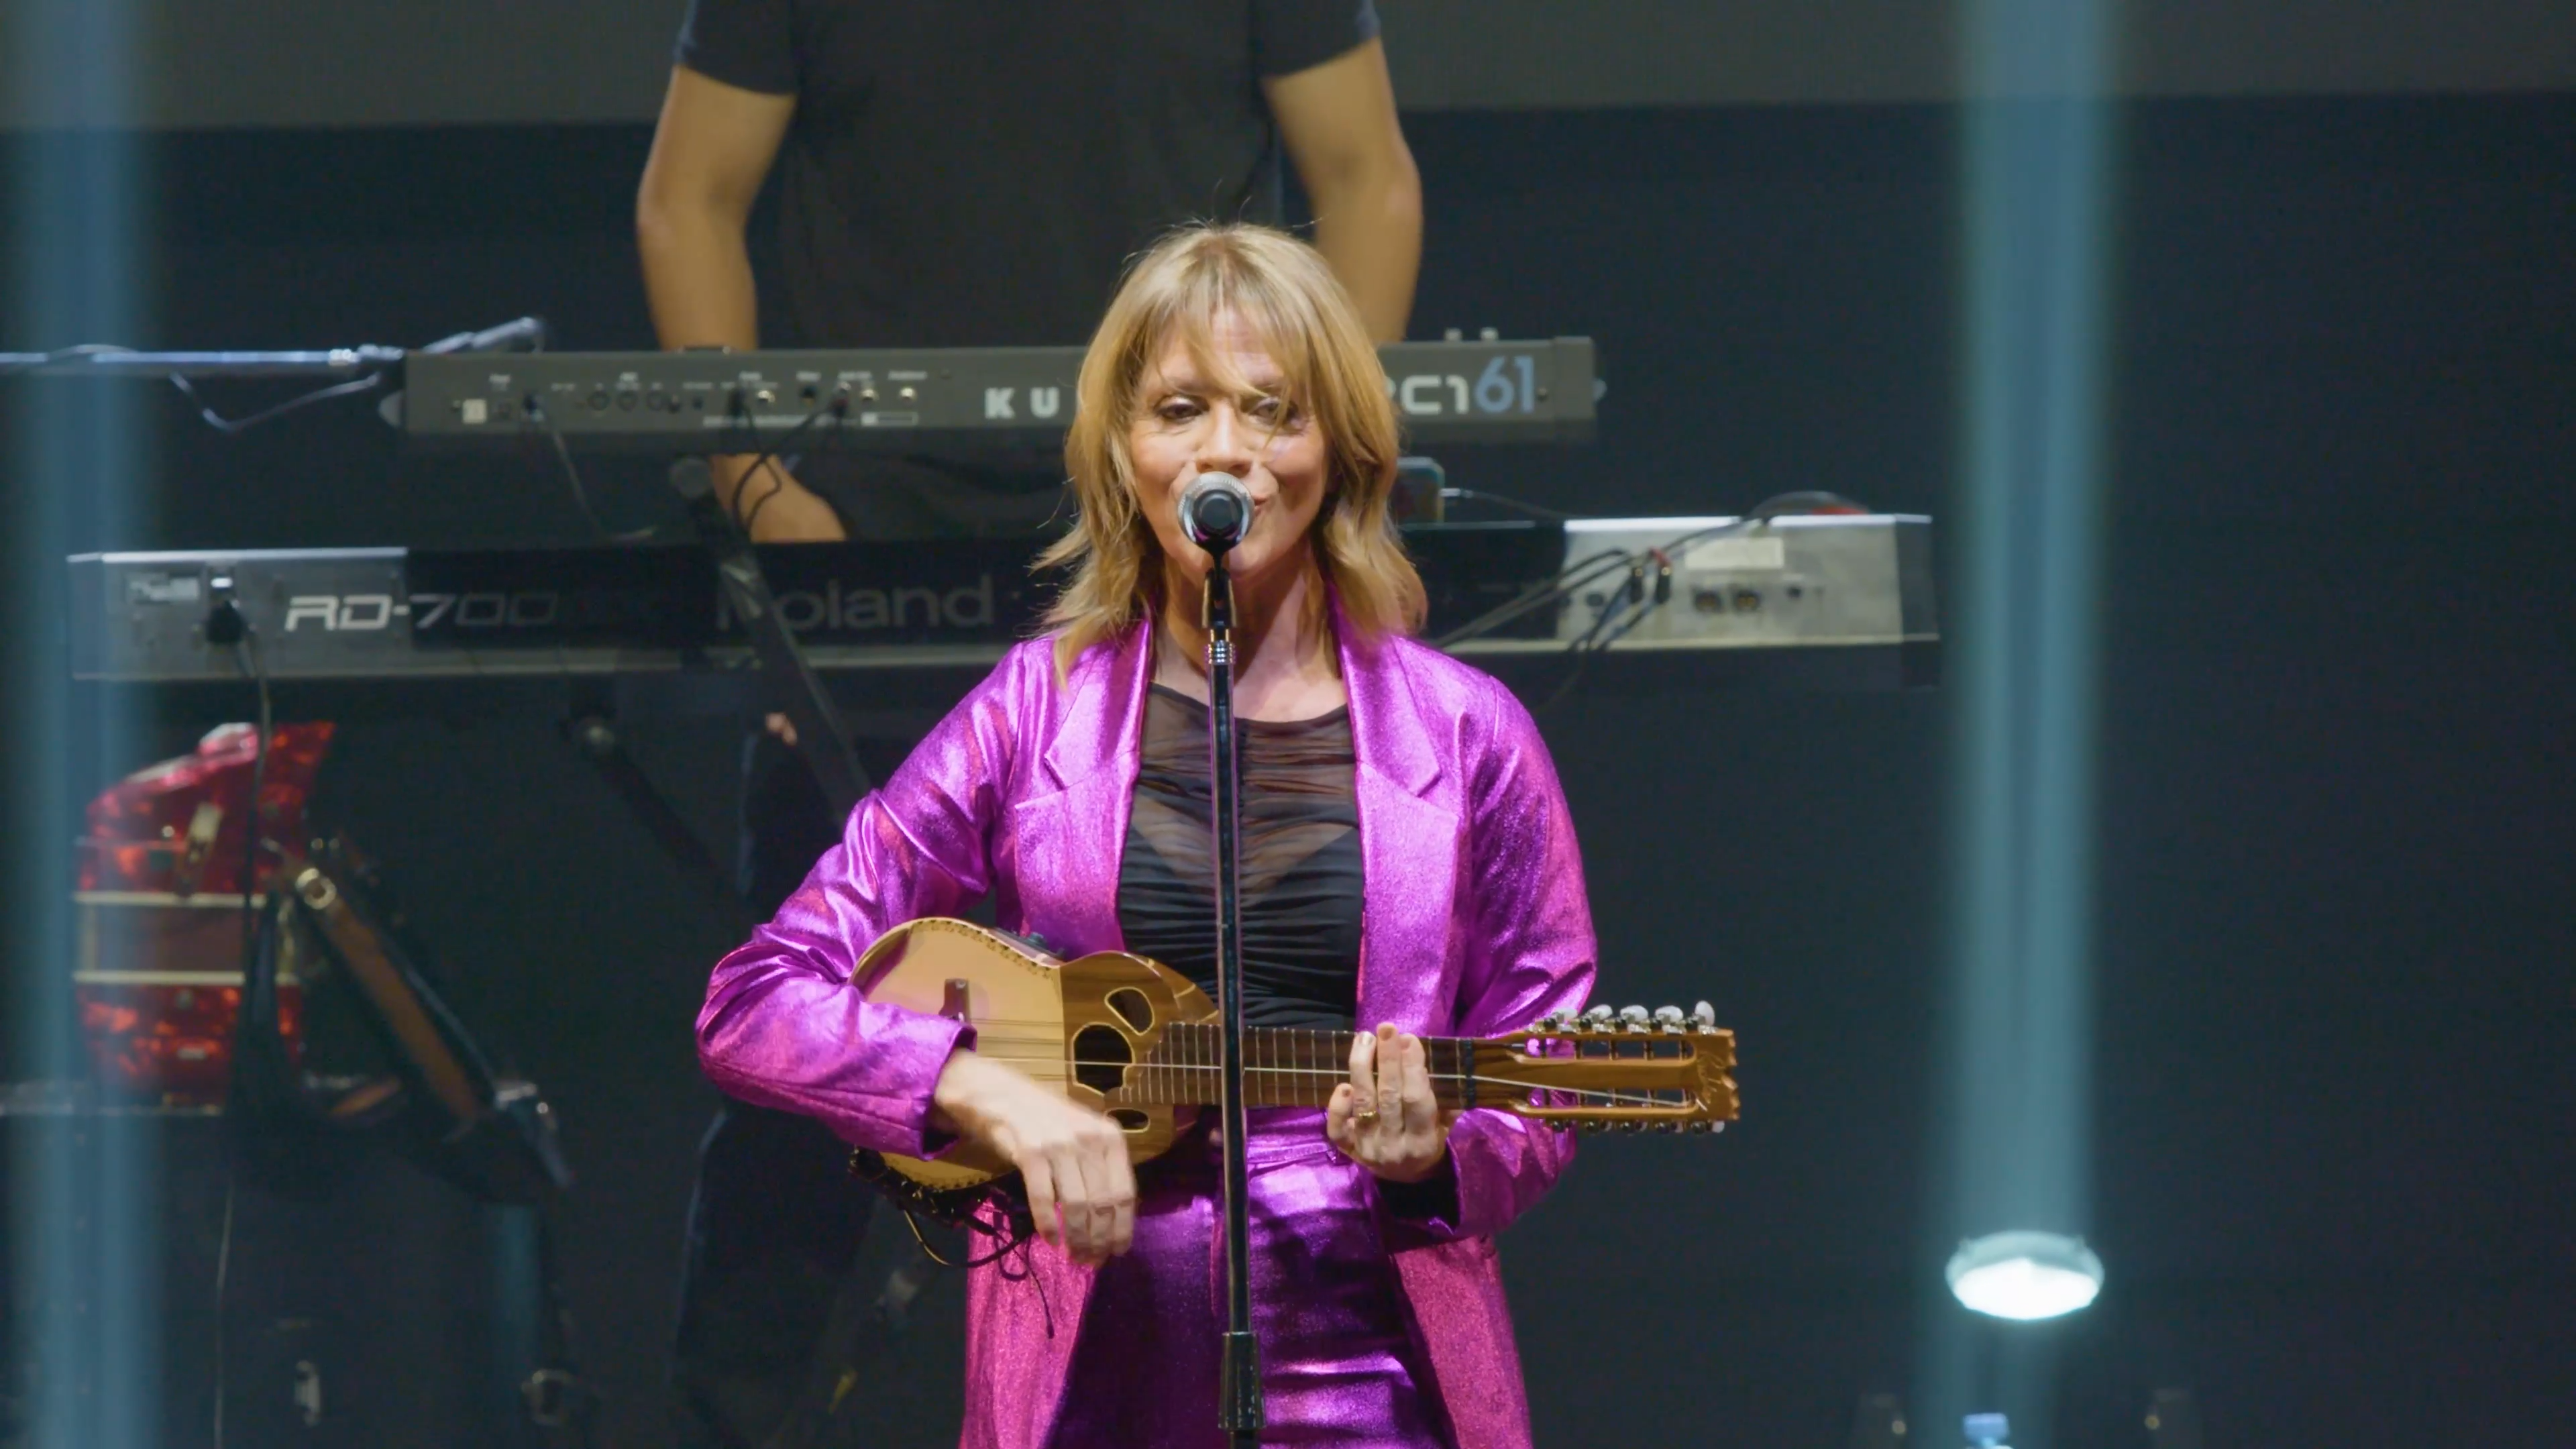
(799, 1326)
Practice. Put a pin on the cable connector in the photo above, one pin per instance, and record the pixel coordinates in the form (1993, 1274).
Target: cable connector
(225, 624)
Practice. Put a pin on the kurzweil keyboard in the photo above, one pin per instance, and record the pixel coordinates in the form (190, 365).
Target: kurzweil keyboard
(1851, 593)
(923, 399)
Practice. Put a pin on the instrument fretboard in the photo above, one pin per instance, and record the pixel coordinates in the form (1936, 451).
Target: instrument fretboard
(1282, 1067)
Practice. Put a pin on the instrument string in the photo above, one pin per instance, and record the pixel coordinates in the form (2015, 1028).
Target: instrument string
(1280, 1057)
(1162, 1089)
(1208, 1028)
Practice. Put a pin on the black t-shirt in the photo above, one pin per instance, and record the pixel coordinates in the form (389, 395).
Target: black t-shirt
(977, 175)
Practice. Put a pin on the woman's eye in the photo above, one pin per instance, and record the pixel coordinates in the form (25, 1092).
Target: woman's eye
(1272, 410)
(1179, 410)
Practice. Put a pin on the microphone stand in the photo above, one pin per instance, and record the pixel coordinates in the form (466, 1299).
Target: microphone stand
(1239, 1403)
(820, 738)
(525, 334)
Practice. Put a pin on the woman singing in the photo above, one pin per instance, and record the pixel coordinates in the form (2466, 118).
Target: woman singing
(1408, 864)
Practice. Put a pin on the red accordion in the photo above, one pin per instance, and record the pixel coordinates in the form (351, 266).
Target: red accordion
(162, 875)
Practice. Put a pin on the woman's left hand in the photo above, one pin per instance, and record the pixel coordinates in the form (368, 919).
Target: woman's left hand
(1385, 1118)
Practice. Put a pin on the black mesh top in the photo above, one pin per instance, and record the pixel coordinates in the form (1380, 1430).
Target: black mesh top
(1301, 862)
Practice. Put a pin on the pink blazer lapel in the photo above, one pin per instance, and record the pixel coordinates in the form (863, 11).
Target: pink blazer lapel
(1070, 832)
(1409, 838)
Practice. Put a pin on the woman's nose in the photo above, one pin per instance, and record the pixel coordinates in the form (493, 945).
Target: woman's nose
(1225, 446)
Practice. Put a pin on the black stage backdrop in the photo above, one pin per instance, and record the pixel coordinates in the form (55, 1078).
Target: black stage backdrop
(2335, 933)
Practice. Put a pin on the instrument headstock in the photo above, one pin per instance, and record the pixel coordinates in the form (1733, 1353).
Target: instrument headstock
(1614, 1069)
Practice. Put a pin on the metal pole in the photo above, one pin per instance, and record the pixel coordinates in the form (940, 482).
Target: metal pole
(1239, 1405)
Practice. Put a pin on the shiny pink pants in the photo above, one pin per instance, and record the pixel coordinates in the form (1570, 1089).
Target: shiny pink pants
(1339, 1363)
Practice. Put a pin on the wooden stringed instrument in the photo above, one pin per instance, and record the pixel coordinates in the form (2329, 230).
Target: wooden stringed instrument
(1139, 1041)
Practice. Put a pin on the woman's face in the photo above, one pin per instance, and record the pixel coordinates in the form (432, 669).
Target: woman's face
(1187, 424)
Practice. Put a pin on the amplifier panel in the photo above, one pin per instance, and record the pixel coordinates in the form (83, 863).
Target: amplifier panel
(1800, 579)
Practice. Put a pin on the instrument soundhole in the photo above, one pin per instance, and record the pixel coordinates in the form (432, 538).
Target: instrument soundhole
(1130, 1120)
(1101, 1058)
(1132, 1007)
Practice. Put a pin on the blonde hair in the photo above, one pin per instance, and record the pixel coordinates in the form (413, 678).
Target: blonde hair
(1282, 291)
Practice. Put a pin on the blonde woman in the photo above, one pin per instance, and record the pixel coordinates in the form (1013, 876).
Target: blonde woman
(1409, 866)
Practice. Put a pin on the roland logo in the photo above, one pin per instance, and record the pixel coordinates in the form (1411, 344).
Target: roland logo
(841, 608)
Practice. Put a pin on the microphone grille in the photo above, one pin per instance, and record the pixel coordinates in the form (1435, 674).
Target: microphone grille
(1215, 506)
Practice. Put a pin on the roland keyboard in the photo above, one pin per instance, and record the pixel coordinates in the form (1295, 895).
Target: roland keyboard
(922, 399)
(1850, 593)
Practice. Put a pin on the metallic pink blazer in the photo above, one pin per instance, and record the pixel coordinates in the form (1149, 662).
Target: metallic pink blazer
(1474, 923)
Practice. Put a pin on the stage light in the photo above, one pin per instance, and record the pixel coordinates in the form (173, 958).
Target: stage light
(86, 1228)
(2038, 173)
(2025, 1276)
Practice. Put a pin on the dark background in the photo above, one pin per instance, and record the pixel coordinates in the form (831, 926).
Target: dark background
(2335, 933)
(327, 63)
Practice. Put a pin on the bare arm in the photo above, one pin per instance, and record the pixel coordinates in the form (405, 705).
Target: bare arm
(1339, 125)
(711, 152)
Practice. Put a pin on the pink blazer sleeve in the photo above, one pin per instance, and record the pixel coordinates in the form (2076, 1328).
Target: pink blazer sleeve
(1530, 951)
(782, 1026)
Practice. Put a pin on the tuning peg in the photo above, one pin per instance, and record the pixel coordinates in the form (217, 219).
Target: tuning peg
(1634, 1018)
(1668, 1018)
(1599, 1016)
(1704, 1016)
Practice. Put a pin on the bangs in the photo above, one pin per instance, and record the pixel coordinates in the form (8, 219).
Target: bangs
(1215, 282)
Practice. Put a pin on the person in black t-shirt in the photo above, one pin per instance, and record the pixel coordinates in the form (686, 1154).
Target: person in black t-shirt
(978, 175)
(973, 175)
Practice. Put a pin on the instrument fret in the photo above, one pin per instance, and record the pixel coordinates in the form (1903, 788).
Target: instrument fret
(1283, 1067)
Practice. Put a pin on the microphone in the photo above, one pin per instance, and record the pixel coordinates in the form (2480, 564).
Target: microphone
(1216, 509)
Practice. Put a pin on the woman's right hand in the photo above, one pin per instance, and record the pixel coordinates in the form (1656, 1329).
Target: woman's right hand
(1073, 1160)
